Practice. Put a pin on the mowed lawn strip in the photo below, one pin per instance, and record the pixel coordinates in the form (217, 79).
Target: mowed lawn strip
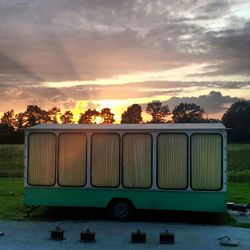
(11, 189)
(239, 162)
(11, 160)
(11, 198)
(12, 207)
(239, 192)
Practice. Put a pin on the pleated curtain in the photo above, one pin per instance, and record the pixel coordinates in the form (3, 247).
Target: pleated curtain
(42, 159)
(72, 159)
(206, 161)
(137, 156)
(105, 160)
(172, 161)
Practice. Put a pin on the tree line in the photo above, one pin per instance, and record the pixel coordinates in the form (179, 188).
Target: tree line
(237, 117)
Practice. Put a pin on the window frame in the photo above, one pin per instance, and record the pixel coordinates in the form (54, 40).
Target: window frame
(157, 160)
(151, 163)
(86, 157)
(119, 157)
(28, 161)
(221, 163)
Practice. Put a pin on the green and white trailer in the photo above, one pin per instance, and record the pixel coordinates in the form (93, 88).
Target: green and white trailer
(127, 166)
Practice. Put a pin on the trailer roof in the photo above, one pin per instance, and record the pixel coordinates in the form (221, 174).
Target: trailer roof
(169, 126)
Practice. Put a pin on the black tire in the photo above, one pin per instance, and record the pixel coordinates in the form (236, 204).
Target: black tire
(121, 210)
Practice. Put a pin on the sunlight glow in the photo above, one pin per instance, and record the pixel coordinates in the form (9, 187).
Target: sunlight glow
(193, 72)
(97, 120)
(171, 75)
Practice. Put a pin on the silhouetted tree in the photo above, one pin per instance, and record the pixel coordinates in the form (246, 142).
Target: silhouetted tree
(67, 117)
(20, 120)
(9, 118)
(158, 112)
(187, 112)
(8, 133)
(237, 117)
(95, 114)
(85, 118)
(35, 115)
(132, 114)
(211, 120)
(107, 116)
(10, 136)
(5, 129)
(53, 113)
(88, 116)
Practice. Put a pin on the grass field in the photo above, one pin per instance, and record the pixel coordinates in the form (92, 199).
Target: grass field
(11, 189)
(11, 198)
(12, 207)
(239, 192)
(239, 162)
(11, 160)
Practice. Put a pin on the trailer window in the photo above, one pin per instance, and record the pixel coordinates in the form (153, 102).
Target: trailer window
(137, 160)
(105, 155)
(172, 161)
(206, 161)
(42, 159)
(72, 159)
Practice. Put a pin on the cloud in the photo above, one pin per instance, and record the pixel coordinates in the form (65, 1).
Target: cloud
(85, 40)
(213, 103)
(67, 98)
(81, 40)
(230, 48)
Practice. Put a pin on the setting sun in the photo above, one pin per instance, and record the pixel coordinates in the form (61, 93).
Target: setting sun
(97, 120)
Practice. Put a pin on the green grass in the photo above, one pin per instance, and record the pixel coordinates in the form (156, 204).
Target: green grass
(11, 198)
(239, 192)
(12, 207)
(11, 160)
(239, 162)
(12, 201)
(11, 189)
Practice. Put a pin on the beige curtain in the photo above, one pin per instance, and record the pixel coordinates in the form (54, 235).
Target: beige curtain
(172, 161)
(137, 153)
(41, 159)
(105, 160)
(206, 161)
(72, 159)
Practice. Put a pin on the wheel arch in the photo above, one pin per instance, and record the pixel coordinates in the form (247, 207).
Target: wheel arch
(116, 199)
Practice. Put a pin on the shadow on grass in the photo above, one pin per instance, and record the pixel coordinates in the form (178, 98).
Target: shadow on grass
(86, 214)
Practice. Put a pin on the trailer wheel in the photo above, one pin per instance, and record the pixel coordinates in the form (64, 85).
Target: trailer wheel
(121, 209)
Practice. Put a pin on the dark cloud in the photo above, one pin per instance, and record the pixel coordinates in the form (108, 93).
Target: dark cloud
(11, 70)
(213, 103)
(64, 97)
(79, 40)
(213, 9)
(230, 48)
(84, 40)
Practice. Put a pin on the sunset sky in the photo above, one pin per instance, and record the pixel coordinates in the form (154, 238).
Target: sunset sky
(113, 53)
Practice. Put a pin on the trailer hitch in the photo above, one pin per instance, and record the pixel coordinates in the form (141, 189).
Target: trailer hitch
(32, 209)
(243, 209)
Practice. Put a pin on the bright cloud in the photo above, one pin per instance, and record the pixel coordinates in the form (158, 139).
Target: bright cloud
(74, 54)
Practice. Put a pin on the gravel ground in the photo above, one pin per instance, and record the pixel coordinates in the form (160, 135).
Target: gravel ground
(240, 218)
(116, 235)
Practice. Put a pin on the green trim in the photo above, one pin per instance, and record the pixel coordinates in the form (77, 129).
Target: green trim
(150, 199)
